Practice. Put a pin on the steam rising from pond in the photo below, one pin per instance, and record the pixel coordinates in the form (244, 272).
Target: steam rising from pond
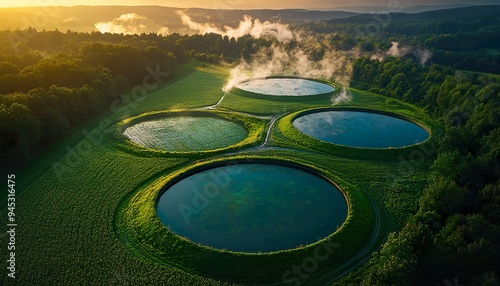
(296, 53)
(129, 24)
(296, 60)
(292, 53)
(398, 51)
(247, 26)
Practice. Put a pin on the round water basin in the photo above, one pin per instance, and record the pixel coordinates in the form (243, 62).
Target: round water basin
(360, 129)
(186, 133)
(252, 207)
(285, 87)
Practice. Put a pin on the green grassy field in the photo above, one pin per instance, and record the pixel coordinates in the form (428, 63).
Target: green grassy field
(77, 226)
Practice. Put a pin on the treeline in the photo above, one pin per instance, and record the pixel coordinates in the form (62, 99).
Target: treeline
(51, 81)
(403, 79)
(454, 236)
(214, 46)
(464, 38)
(42, 98)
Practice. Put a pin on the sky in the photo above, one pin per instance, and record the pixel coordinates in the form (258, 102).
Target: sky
(243, 4)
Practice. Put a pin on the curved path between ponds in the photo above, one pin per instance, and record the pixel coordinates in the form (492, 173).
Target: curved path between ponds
(325, 276)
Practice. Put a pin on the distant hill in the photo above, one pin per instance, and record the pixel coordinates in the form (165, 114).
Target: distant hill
(384, 9)
(165, 19)
(287, 15)
(469, 14)
(83, 18)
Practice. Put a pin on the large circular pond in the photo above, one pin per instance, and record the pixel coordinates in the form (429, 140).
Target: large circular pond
(285, 87)
(186, 133)
(360, 129)
(252, 207)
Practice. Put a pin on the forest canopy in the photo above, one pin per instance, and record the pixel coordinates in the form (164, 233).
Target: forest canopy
(59, 80)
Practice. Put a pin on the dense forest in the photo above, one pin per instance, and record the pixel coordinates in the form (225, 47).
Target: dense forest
(59, 80)
(56, 81)
(455, 232)
(464, 38)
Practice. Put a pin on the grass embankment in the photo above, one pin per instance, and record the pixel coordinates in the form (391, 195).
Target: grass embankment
(267, 104)
(253, 126)
(140, 227)
(288, 98)
(289, 132)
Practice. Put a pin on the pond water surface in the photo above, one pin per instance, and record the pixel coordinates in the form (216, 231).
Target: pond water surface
(360, 129)
(253, 207)
(285, 87)
(186, 133)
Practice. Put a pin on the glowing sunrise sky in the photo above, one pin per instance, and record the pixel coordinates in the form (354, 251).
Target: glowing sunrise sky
(243, 4)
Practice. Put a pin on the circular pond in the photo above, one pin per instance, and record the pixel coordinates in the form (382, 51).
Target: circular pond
(285, 87)
(360, 129)
(252, 207)
(186, 133)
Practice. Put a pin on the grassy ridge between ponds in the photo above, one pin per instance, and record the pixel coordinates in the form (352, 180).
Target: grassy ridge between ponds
(288, 98)
(138, 225)
(254, 126)
(286, 128)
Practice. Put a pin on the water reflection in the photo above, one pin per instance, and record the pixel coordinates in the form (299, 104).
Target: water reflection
(185, 133)
(360, 129)
(285, 87)
(253, 207)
